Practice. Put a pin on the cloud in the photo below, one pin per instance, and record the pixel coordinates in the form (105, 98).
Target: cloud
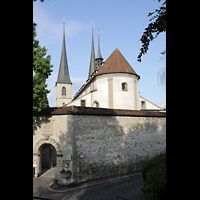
(50, 31)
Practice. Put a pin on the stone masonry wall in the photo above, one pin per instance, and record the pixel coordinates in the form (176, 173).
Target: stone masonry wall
(116, 145)
(112, 141)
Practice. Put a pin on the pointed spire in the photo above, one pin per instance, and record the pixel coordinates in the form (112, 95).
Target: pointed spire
(99, 57)
(92, 58)
(63, 75)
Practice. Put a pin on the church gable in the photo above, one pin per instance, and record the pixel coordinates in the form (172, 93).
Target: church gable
(146, 104)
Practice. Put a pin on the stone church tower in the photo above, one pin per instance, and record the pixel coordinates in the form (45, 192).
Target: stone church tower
(63, 90)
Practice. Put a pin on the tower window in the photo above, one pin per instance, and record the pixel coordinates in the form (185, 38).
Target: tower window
(124, 87)
(63, 90)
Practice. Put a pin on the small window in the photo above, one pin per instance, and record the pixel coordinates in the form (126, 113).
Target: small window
(143, 106)
(96, 104)
(124, 87)
(82, 103)
(63, 91)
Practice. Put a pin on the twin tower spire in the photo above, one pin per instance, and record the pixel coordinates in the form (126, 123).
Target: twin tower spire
(98, 59)
(63, 75)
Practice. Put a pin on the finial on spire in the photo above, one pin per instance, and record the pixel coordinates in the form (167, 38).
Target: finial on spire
(92, 25)
(98, 30)
(63, 20)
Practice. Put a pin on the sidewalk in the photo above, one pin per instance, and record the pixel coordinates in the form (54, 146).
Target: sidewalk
(55, 187)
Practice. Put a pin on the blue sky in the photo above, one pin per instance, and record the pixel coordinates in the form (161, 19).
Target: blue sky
(121, 24)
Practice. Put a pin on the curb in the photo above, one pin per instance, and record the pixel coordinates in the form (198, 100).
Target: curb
(93, 184)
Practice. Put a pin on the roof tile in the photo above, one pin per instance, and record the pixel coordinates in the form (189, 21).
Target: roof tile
(116, 63)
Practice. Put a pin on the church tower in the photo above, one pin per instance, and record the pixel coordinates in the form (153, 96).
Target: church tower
(92, 58)
(99, 57)
(63, 84)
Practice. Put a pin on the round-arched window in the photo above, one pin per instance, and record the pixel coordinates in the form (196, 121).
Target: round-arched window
(124, 87)
(63, 90)
(96, 104)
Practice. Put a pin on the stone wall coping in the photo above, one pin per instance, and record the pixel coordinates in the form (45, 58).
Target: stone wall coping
(77, 110)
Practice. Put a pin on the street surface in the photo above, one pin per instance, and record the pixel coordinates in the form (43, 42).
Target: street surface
(128, 188)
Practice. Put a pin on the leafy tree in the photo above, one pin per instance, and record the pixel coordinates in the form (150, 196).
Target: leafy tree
(162, 73)
(153, 29)
(41, 71)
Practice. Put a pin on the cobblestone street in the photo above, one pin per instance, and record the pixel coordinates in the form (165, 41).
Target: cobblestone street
(128, 188)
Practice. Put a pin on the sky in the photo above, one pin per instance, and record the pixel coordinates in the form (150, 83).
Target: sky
(121, 24)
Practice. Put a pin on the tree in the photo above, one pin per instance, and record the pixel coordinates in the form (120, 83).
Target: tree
(153, 29)
(162, 73)
(41, 71)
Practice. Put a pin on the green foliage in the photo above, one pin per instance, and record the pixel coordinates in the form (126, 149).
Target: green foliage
(154, 176)
(41, 71)
(153, 29)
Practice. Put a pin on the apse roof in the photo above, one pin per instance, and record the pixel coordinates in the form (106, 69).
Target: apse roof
(116, 63)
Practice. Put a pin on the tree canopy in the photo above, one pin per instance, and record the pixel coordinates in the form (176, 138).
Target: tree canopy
(153, 29)
(41, 71)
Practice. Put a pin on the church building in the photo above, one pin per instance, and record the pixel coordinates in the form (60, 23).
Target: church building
(112, 84)
(106, 129)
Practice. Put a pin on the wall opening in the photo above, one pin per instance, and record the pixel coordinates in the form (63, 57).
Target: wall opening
(64, 91)
(82, 103)
(124, 87)
(96, 104)
(143, 105)
(47, 158)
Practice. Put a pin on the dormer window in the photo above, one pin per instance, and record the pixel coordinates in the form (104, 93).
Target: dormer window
(124, 87)
(63, 91)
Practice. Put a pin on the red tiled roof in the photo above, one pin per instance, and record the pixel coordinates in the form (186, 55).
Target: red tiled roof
(116, 63)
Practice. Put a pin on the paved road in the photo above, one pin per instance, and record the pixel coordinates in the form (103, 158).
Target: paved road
(128, 188)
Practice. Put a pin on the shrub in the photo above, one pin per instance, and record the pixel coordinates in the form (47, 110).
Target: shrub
(154, 176)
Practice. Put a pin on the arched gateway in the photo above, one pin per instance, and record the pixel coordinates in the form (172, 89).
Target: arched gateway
(47, 154)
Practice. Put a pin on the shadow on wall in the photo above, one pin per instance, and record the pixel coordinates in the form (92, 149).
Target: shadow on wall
(38, 120)
(114, 145)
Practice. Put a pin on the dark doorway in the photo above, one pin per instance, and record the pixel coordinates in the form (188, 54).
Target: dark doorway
(47, 157)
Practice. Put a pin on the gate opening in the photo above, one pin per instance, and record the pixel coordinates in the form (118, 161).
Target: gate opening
(47, 158)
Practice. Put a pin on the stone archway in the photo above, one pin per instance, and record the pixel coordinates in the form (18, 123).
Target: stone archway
(49, 141)
(39, 150)
(47, 157)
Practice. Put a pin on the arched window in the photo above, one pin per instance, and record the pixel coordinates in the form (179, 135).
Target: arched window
(124, 87)
(96, 104)
(63, 90)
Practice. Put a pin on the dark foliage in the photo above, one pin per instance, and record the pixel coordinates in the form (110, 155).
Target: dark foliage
(153, 29)
(154, 176)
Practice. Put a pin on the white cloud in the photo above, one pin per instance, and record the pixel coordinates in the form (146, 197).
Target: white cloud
(49, 31)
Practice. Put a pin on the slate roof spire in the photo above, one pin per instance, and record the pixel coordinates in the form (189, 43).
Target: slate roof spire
(99, 56)
(63, 75)
(92, 57)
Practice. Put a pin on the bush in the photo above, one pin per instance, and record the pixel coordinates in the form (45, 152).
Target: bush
(154, 176)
